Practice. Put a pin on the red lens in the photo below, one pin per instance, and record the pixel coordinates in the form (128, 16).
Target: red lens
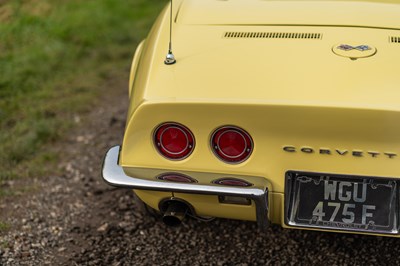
(174, 177)
(174, 141)
(232, 144)
(235, 182)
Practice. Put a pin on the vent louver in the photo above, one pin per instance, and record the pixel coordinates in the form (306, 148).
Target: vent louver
(394, 39)
(273, 35)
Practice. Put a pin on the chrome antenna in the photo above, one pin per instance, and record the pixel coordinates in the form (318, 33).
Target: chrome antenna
(170, 59)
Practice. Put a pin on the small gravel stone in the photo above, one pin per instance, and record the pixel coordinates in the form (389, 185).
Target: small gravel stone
(102, 228)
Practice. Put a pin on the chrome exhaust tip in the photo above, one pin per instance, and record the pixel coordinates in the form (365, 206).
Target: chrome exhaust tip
(175, 213)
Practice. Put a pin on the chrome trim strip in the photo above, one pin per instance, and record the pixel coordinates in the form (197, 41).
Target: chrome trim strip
(114, 175)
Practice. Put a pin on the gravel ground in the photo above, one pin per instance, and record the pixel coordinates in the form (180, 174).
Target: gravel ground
(75, 219)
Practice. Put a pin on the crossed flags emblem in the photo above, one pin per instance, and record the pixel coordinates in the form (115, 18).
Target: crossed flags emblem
(361, 48)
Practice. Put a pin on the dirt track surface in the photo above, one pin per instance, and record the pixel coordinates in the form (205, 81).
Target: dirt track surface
(76, 219)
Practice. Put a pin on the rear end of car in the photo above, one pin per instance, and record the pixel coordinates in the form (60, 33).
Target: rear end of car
(293, 122)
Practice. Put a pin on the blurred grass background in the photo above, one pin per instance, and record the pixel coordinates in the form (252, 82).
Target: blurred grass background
(54, 57)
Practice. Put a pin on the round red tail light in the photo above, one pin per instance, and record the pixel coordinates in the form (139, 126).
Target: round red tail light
(232, 144)
(174, 141)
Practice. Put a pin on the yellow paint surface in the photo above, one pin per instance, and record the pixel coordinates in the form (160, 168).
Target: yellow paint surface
(284, 91)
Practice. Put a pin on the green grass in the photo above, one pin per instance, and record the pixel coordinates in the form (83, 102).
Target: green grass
(54, 57)
(4, 227)
(4, 244)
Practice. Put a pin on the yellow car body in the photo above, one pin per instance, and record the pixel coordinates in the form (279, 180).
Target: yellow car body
(315, 83)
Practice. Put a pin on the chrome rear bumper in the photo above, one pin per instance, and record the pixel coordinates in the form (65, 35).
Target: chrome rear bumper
(114, 175)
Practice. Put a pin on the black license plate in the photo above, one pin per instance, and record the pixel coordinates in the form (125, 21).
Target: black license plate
(349, 203)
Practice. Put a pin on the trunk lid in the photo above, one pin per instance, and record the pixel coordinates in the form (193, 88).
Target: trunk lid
(279, 71)
(383, 14)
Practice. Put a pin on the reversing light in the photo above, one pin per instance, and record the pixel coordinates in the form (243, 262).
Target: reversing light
(175, 177)
(235, 182)
(234, 200)
(174, 141)
(232, 144)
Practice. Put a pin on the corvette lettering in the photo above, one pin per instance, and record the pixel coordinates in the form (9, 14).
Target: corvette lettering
(339, 152)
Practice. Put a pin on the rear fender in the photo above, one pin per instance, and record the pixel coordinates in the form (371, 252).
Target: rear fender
(135, 63)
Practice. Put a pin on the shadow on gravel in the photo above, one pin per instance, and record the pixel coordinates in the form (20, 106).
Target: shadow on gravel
(129, 238)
